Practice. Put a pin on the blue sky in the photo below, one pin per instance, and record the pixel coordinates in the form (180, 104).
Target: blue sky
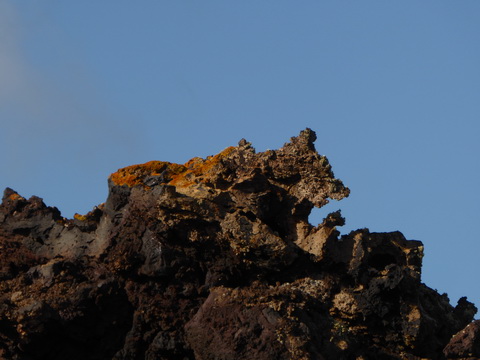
(391, 88)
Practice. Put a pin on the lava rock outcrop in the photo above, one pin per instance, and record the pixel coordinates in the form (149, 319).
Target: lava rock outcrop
(216, 259)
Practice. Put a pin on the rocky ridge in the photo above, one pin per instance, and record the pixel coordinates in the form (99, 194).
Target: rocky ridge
(216, 259)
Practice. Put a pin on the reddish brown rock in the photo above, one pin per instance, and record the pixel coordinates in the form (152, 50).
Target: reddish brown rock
(465, 344)
(215, 259)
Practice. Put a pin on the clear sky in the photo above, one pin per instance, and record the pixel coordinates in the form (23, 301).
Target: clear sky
(391, 88)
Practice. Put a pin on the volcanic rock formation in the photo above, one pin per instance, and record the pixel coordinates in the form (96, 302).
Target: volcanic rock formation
(216, 259)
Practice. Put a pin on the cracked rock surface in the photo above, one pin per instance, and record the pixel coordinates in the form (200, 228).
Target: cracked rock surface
(216, 259)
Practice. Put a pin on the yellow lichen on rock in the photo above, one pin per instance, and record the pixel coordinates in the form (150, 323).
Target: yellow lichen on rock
(134, 175)
(198, 167)
(173, 174)
(79, 217)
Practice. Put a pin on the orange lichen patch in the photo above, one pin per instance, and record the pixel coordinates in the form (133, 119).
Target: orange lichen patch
(134, 175)
(211, 161)
(181, 181)
(174, 174)
(14, 197)
(197, 167)
(80, 217)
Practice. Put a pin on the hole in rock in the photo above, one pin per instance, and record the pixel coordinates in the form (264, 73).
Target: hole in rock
(22, 231)
(249, 215)
(381, 261)
(318, 214)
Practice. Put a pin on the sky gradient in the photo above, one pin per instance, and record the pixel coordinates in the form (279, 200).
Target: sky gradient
(391, 88)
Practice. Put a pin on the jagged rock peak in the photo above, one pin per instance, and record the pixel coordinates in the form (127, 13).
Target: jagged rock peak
(216, 259)
(297, 164)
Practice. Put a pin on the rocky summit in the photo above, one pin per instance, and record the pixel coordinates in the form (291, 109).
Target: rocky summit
(215, 259)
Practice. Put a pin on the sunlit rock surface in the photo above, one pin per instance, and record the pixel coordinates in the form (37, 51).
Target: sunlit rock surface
(215, 259)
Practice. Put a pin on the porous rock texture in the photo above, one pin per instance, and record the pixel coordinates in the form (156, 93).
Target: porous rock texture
(216, 259)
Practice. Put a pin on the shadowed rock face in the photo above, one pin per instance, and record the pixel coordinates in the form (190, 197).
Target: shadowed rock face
(215, 259)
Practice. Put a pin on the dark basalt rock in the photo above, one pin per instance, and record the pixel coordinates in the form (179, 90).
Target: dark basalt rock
(215, 259)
